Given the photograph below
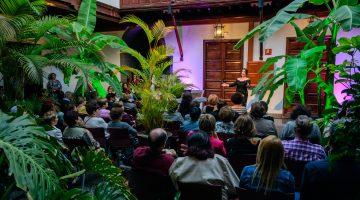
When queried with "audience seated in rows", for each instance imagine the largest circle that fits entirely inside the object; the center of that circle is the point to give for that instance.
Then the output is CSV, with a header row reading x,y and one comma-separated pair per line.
x,y
51,119
237,100
268,174
192,124
288,131
266,107
201,165
207,125
221,103
116,114
264,127
93,121
333,179
244,141
154,158
225,124
300,148
212,101
172,115
74,131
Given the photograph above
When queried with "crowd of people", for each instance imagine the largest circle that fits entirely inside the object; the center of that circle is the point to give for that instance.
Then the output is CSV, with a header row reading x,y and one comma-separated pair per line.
x,y
205,157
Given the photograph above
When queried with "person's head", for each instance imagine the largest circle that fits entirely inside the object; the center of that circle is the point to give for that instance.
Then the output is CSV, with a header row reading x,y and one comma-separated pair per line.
x,y
237,98
69,95
195,113
226,114
47,106
81,101
110,97
157,140
103,103
213,99
119,104
68,106
71,118
264,105
50,118
186,98
92,109
93,95
269,161
244,72
173,106
116,113
207,123
126,97
52,76
303,126
300,110
199,146
244,126
221,103
110,90
257,111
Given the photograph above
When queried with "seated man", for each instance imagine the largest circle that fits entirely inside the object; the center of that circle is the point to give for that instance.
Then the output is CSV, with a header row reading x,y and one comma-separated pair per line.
x,y
300,148
116,114
192,124
93,120
151,165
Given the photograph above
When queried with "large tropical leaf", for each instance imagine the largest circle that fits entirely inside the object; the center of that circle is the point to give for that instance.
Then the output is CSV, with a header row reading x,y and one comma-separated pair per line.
x,y
21,141
296,73
348,17
87,14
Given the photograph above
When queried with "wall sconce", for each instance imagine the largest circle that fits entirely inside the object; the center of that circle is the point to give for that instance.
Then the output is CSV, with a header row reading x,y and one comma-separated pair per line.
x,y
219,31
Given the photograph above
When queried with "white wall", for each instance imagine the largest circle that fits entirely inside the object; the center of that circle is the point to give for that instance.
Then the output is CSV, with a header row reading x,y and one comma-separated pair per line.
x,y
192,41
113,3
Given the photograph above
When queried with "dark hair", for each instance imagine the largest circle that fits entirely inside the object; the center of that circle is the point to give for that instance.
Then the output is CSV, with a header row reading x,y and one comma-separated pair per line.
x,y
199,146
264,105
91,108
244,126
246,70
257,111
303,126
102,102
195,113
50,75
93,95
49,117
237,98
46,107
221,104
207,123
81,100
157,142
67,107
110,95
70,117
116,113
186,100
226,114
300,110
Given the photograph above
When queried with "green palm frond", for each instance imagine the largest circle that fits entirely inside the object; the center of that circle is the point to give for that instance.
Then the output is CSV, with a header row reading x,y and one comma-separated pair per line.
x,y
18,7
142,60
7,31
23,143
135,20
159,30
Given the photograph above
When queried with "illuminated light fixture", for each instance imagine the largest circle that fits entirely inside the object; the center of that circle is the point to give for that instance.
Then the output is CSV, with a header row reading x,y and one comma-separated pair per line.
x,y
219,31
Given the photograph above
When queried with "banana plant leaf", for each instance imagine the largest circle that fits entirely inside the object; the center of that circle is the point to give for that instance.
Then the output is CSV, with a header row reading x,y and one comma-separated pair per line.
x,y
87,14
347,16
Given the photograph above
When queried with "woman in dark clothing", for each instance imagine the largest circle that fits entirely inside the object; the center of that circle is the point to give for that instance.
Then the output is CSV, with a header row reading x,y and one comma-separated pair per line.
x,y
242,84
185,104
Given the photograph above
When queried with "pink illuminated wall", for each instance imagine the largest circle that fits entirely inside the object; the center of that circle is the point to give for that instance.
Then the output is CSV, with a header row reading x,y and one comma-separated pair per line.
x,y
340,58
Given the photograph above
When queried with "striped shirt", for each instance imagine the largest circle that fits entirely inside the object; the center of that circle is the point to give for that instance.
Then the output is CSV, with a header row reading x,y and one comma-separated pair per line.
x,y
303,150
239,109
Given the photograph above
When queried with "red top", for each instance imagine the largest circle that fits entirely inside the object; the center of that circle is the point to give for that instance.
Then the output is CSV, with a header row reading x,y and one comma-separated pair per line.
x,y
145,159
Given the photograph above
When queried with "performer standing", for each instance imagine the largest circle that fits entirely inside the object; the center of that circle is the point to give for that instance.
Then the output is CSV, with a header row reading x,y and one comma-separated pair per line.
x,y
242,84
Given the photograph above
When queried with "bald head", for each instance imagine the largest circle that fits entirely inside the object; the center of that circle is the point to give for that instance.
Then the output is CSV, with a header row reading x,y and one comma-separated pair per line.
x,y
157,139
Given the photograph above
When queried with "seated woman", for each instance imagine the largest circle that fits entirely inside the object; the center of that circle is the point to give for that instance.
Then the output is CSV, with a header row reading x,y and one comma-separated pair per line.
x,y
73,130
104,112
207,124
268,174
51,119
264,127
192,124
237,99
225,125
201,165
219,105
244,141
212,101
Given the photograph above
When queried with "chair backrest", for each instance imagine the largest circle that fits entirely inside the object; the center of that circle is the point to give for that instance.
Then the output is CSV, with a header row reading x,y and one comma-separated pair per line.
x,y
151,185
195,191
245,194
296,168
119,138
99,135
71,143
239,161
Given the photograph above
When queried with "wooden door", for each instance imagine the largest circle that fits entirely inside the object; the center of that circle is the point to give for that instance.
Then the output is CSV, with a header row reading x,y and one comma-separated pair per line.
x,y
221,64
293,47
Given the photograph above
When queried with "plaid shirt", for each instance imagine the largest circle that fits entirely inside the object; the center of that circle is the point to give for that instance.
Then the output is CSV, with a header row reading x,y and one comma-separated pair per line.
x,y
300,150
